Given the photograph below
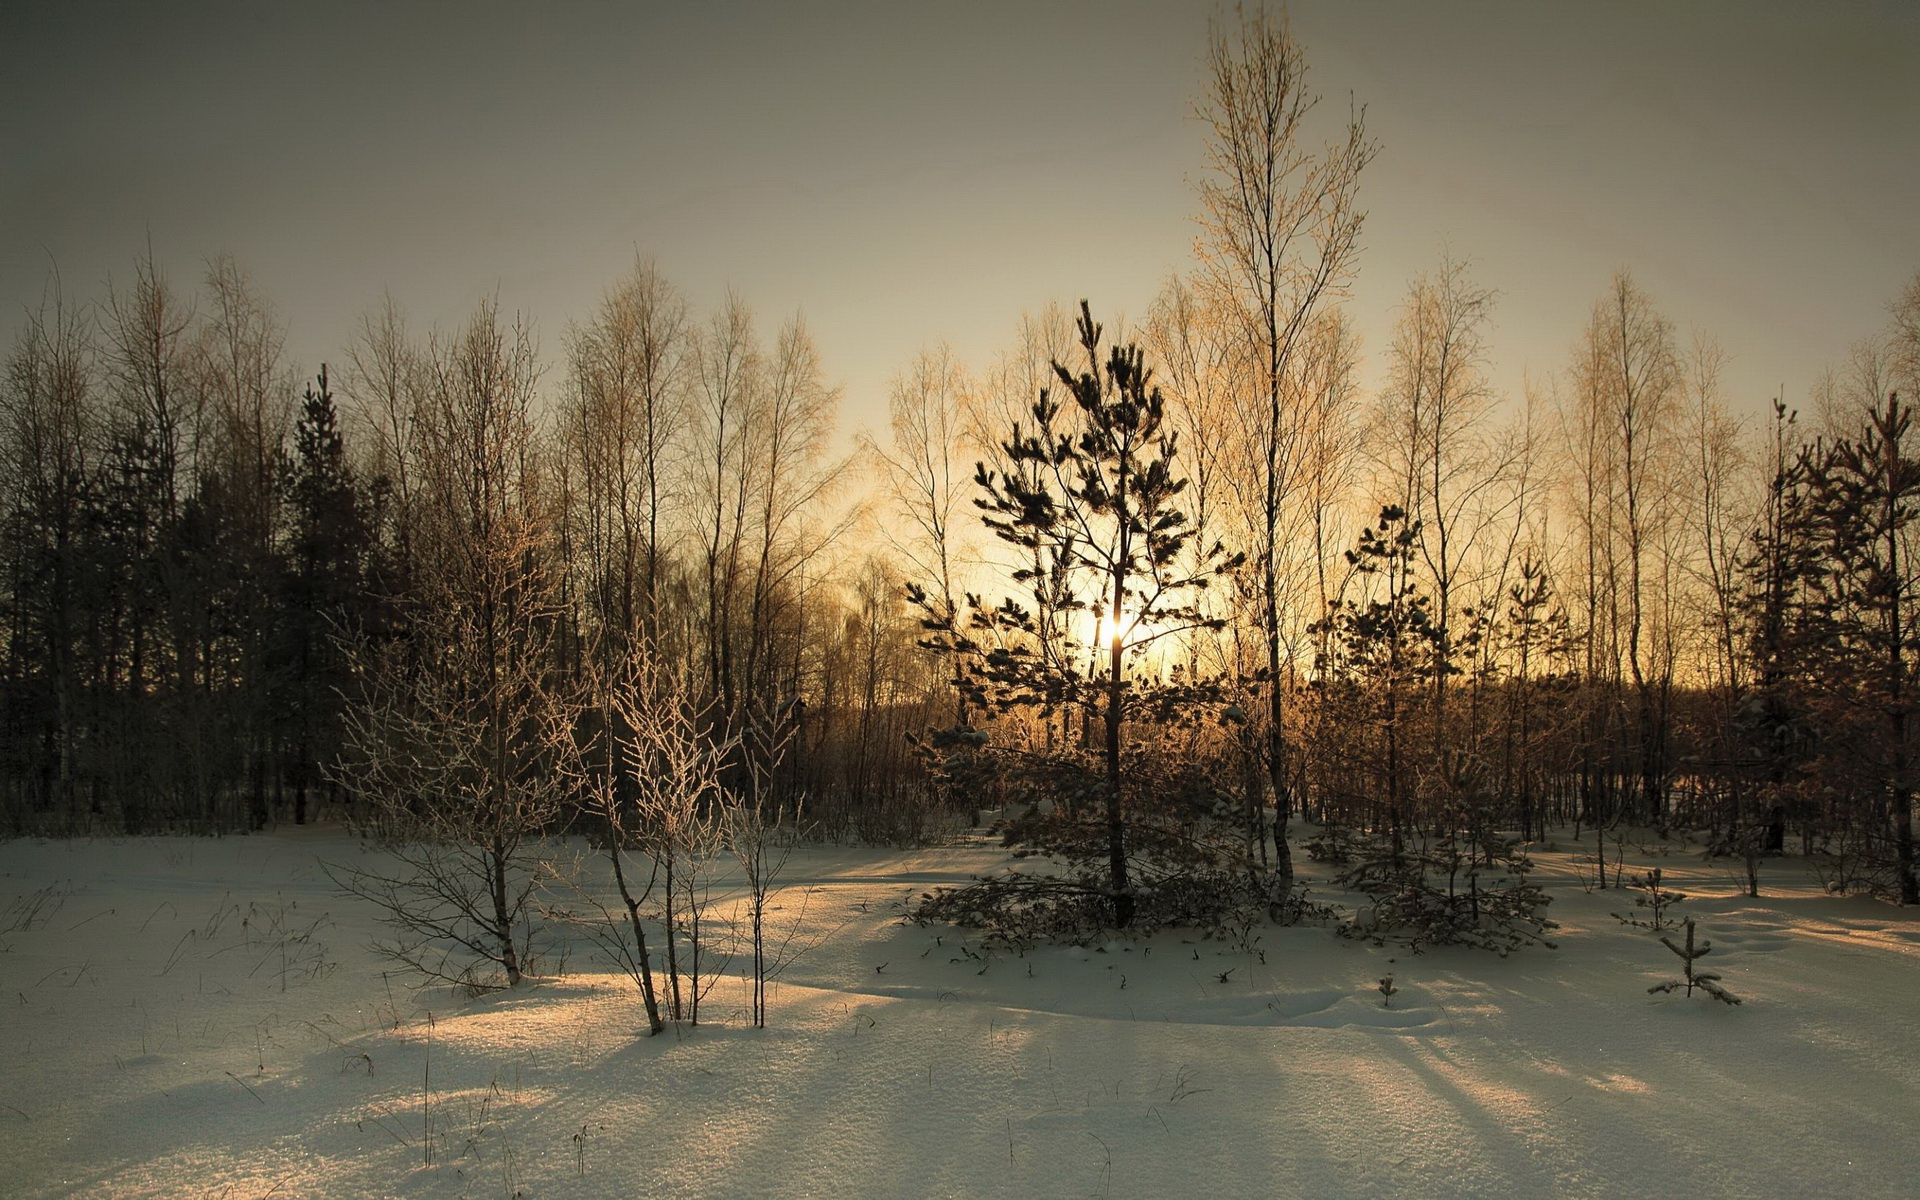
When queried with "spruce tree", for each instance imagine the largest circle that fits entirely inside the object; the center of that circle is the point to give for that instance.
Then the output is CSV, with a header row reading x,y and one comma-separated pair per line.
x,y
1866,495
322,585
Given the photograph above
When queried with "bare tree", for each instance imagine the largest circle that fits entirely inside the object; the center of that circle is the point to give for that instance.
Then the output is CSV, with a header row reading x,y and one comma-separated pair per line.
x,y
1443,466
762,427
789,475
247,390
152,637
453,758
1280,233
1003,395
621,425
148,349
49,429
387,384
1331,434
666,808
729,381
1904,334
451,745
1196,374
761,839
1723,515
249,400
1638,382
925,476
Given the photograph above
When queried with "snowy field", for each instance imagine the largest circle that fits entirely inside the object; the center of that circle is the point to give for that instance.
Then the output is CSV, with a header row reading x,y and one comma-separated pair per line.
x,y
200,1017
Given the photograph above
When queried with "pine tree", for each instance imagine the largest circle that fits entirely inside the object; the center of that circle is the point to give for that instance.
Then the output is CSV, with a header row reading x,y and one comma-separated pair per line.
x,y
1787,632
1705,981
1089,498
1866,495
1654,895
1535,635
1387,646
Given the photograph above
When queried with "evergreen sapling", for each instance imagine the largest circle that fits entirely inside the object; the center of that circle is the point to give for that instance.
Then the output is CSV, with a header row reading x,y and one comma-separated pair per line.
x,y
1709,983
1655,896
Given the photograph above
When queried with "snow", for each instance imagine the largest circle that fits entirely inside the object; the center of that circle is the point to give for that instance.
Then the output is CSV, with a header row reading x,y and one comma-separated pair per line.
x,y
204,1017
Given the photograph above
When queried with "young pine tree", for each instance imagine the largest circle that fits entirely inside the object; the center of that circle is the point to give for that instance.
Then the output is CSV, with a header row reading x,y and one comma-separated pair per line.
x,y
1705,981
1088,497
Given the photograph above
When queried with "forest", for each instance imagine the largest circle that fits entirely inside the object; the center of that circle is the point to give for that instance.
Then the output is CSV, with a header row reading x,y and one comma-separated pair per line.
x,y
758,666
1150,593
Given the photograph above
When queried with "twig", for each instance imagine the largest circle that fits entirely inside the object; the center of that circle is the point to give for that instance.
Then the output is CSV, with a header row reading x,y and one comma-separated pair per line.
x,y
105,912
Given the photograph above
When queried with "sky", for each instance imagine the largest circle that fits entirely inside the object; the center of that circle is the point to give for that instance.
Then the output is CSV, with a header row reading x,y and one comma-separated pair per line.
x,y
909,174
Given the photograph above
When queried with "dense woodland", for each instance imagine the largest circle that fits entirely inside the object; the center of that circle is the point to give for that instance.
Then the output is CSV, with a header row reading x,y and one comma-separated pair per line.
x,y
1151,592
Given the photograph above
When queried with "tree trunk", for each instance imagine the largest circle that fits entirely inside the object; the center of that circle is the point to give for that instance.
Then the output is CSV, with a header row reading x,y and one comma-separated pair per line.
x,y
502,918
1117,881
647,991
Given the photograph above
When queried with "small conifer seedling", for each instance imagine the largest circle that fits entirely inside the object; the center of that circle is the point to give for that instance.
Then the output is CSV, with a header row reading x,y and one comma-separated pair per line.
x,y
1386,992
1654,896
1706,982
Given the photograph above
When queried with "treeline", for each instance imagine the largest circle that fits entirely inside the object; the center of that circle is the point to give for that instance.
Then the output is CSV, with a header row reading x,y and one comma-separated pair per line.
x,y
1453,617
1620,605
1220,581
213,574
1610,604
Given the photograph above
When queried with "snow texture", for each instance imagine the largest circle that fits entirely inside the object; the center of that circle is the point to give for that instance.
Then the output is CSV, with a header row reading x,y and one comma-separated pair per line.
x,y
204,1017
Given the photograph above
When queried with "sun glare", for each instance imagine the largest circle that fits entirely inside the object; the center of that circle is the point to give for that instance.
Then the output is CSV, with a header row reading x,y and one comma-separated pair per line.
x,y
1117,629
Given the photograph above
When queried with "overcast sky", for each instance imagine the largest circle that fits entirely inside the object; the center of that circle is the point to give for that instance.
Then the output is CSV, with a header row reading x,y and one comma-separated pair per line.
x,y
911,173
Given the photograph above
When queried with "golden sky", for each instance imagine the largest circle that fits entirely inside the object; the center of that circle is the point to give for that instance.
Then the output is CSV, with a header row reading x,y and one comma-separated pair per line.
x,y
910,173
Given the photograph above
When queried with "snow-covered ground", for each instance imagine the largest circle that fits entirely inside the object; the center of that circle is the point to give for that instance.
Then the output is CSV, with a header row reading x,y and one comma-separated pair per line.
x,y
204,1017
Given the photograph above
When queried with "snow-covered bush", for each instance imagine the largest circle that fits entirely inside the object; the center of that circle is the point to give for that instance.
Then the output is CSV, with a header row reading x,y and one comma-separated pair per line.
x,y
649,771
451,760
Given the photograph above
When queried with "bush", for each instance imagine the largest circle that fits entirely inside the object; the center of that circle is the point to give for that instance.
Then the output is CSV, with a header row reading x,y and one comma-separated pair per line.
x,y
1189,857
1463,888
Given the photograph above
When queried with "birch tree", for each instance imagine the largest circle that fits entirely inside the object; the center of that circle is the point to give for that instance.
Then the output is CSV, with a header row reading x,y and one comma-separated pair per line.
x,y
452,745
1439,456
1280,229
925,475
